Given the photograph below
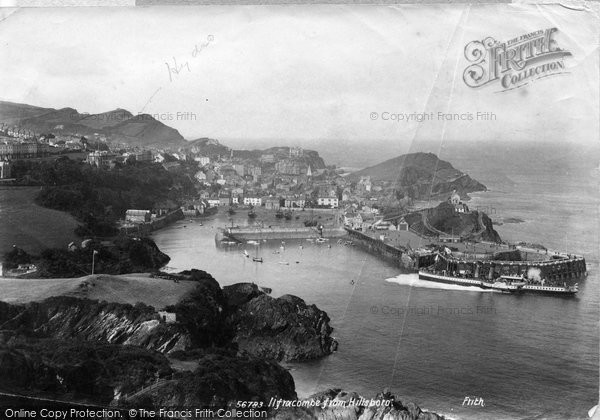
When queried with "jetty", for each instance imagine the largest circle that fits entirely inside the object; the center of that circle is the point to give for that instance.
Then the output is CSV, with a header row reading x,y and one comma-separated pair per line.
x,y
243,234
403,256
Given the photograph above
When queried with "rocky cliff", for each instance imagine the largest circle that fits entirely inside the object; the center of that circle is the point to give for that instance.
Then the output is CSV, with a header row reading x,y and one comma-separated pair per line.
x,y
80,370
285,328
93,321
236,335
221,379
421,176
82,349
240,317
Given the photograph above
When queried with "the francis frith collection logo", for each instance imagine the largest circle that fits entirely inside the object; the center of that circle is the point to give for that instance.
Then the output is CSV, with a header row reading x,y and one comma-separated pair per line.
x,y
516,62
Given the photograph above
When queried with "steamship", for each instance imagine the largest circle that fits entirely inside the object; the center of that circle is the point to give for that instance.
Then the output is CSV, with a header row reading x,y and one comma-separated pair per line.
x,y
469,273
504,284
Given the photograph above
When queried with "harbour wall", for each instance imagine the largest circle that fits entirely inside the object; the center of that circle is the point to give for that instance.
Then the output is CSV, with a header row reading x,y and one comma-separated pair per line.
x,y
401,256
246,234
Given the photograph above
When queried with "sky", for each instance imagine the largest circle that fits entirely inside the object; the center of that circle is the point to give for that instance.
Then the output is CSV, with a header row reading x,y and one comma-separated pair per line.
x,y
305,75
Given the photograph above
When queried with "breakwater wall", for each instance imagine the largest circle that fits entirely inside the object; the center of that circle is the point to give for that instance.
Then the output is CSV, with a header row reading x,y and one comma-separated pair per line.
x,y
246,234
403,257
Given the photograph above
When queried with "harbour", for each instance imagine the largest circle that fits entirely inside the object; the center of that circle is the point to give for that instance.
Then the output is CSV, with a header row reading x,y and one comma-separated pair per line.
x,y
510,268
504,353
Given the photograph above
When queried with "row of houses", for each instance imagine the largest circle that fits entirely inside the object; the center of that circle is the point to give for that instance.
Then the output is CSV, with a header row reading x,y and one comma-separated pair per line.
x,y
16,150
270,203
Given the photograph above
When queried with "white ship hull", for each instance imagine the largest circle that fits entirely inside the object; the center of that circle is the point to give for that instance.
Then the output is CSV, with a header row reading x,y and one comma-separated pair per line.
x,y
499,286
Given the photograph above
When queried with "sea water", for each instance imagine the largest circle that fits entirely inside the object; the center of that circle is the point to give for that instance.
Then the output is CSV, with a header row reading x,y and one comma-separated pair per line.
x,y
524,356
434,344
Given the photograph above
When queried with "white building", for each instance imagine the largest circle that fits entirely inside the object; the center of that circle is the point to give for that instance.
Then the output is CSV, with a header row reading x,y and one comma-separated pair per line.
x,y
253,201
168,317
214,202
332,202
137,216
5,169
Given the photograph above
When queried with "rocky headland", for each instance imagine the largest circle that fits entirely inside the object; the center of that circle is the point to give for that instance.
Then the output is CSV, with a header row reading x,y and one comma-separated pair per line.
x,y
444,219
421,176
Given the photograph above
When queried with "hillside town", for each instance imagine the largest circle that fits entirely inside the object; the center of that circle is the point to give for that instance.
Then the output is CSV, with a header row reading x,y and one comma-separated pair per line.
x,y
279,179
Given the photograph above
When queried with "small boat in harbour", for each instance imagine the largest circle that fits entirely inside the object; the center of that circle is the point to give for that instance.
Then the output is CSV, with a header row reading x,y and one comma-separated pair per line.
x,y
256,258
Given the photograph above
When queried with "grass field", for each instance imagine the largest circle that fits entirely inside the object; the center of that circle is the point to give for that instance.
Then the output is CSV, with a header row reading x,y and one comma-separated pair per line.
x,y
129,288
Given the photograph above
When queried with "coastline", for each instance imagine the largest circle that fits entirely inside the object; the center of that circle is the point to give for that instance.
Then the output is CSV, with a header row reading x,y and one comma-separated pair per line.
x,y
182,231
240,297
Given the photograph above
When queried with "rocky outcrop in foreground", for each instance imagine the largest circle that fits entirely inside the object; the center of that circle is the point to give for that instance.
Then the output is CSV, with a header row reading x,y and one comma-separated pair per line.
x,y
335,404
88,320
76,369
78,349
236,355
284,328
243,317
221,379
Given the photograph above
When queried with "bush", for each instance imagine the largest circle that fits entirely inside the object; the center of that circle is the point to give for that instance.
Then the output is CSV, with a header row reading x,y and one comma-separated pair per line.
x,y
16,256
